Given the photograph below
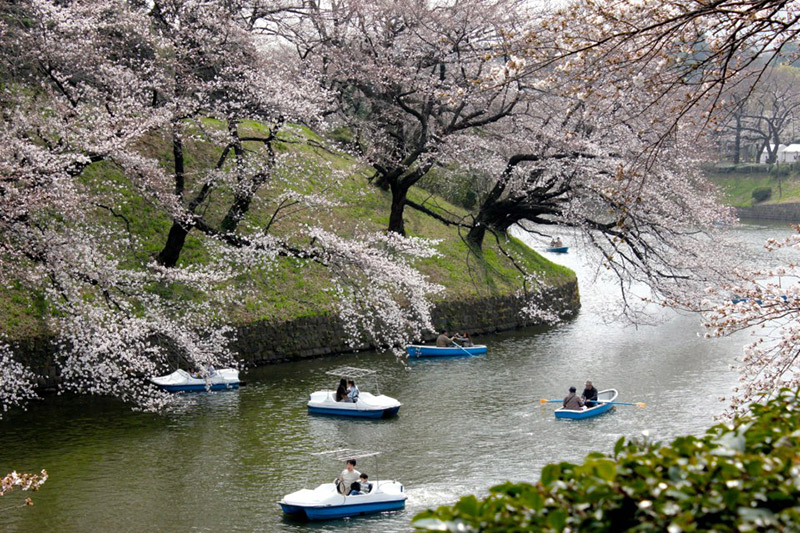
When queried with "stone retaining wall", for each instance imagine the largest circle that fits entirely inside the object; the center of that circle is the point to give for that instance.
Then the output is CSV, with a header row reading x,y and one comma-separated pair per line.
x,y
269,342
272,342
789,212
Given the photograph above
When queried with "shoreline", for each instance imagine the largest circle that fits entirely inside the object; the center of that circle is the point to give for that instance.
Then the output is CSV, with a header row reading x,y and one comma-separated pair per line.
x,y
787,212
273,342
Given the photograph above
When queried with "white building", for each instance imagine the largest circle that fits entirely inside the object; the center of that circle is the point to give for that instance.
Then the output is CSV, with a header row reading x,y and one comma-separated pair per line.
x,y
786,154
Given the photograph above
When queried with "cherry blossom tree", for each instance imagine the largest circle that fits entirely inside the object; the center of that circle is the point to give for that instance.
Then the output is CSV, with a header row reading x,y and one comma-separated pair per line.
x,y
764,303
89,88
698,47
771,108
706,51
407,76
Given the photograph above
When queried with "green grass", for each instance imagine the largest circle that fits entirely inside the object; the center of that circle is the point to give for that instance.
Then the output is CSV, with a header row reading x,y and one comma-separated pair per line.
x,y
291,289
737,187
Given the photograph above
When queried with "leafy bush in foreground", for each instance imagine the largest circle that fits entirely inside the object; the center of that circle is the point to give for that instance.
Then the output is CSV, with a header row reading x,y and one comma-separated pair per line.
x,y
739,477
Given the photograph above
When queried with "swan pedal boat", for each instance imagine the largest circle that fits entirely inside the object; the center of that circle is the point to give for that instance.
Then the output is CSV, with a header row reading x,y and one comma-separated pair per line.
x,y
420,350
603,397
368,405
181,380
326,503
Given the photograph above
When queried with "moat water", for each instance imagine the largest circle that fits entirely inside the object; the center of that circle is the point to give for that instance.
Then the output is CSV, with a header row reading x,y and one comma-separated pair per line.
x,y
223,460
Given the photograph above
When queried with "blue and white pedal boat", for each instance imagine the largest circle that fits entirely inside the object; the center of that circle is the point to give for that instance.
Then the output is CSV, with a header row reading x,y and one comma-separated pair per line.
x,y
603,405
326,503
368,405
420,350
182,381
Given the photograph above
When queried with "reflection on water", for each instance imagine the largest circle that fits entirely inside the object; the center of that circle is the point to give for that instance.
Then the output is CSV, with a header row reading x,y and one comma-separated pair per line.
x,y
224,459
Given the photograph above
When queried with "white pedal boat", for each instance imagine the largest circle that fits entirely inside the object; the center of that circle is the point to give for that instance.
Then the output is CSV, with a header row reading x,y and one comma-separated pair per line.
x,y
325,502
181,380
324,402
369,405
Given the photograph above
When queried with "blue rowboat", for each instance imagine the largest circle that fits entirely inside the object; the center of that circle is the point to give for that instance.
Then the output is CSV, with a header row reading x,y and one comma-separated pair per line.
x,y
419,350
560,250
603,405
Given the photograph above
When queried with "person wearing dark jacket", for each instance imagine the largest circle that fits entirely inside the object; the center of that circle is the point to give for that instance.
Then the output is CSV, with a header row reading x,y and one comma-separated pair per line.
x,y
573,401
589,394
341,391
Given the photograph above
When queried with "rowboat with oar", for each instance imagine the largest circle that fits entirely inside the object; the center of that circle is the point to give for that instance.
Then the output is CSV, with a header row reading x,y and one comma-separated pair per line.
x,y
420,350
604,398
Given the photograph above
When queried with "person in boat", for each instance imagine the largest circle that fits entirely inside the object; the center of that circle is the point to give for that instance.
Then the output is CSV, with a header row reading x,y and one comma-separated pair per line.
x,y
589,394
204,372
573,401
348,476
442,341
355,489
466,341
352,392
366,486
341,391
556,243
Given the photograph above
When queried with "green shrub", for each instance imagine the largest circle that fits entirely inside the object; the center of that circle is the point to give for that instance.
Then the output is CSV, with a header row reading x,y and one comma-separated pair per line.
x,y
762,194
780,170
742,477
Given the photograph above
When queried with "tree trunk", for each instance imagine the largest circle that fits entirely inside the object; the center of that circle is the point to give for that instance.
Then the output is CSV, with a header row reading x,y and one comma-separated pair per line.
x,y
737,142
168,257
476,234
240,206
396,223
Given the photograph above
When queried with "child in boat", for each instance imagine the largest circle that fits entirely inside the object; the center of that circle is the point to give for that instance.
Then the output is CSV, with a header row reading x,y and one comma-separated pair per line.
x,y
352,392
366,486
362,486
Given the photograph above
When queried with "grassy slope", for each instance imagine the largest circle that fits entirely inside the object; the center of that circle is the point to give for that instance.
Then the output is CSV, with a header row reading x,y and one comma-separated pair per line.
x,y
292,290
738,187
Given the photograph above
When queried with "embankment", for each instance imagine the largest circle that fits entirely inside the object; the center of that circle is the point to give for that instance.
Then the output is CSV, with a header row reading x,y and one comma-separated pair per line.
x,y
270,342
788,212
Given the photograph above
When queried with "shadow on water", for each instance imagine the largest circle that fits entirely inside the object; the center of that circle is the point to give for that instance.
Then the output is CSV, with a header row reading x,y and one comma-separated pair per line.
x,y
223,460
